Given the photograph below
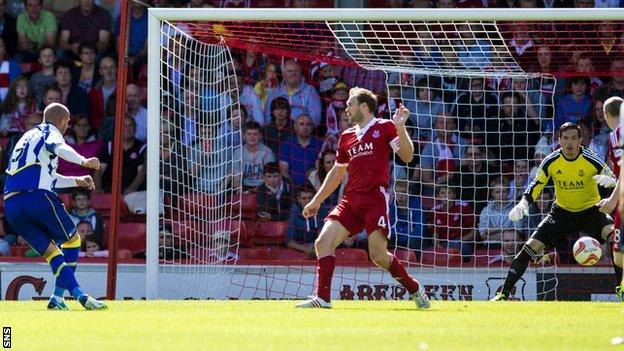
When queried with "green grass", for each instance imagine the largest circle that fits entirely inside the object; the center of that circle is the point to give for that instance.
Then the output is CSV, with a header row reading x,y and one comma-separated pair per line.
x,y
351,325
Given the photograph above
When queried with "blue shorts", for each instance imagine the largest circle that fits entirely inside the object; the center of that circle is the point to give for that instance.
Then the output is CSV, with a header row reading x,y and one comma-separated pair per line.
x,y
39,217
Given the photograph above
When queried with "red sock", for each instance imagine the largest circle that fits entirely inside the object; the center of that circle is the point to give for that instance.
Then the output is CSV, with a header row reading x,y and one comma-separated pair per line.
x,y
324,274
399,273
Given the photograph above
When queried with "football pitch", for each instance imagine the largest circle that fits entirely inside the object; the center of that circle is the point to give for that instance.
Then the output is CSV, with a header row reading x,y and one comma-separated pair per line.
x,y
351,325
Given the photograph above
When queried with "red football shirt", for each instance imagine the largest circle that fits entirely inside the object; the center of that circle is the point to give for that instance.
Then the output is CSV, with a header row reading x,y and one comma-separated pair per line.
x,y
452,224
366,154
614,151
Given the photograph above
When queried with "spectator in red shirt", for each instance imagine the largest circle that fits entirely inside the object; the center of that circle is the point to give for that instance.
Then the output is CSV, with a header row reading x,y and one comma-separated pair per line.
x,y
452,222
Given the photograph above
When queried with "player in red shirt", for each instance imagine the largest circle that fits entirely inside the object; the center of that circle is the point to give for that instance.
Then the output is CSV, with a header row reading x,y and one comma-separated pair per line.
x,y
611,109
363,151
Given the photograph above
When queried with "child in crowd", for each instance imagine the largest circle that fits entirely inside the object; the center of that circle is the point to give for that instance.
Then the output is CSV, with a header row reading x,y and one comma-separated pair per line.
x,y
303,231
18,105
267,83
43,78
451,222
274,196
91,247
494,220
83,212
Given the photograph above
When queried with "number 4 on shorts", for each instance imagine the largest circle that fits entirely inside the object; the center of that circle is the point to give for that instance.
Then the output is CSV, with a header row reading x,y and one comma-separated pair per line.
x,y
382,222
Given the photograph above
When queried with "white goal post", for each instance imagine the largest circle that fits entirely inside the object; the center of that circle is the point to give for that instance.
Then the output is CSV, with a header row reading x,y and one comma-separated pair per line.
x,y
347,20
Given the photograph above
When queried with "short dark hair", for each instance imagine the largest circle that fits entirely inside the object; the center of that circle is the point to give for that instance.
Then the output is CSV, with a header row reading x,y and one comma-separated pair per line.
x,y
53,87
63,64
422,83
547,191
165,227
500,181
87,45
271,168
578,79
26,2
249,125
80,191
280,102
474,79
570,125
448,187
93,238
45,47
87,222
305,189
130,118
509,94
241,108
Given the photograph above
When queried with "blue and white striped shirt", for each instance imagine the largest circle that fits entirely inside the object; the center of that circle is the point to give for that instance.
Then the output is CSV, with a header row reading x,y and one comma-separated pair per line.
x,y
34,161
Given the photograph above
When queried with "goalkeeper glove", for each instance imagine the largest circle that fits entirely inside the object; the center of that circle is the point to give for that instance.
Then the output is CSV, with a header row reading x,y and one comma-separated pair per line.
x,y
519,211
605,181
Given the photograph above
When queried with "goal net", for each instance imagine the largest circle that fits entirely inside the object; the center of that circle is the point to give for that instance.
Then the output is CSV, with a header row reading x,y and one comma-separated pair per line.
x,y
251,109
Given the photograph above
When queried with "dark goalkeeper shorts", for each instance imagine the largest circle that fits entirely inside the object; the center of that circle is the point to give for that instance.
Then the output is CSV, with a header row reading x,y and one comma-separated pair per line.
x,y
559,224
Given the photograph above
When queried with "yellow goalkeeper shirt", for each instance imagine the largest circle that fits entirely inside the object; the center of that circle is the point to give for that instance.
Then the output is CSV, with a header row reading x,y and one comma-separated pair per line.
x,y
575,190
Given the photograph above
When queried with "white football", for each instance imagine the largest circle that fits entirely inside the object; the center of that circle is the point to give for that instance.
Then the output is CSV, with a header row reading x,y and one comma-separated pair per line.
x,y
587,251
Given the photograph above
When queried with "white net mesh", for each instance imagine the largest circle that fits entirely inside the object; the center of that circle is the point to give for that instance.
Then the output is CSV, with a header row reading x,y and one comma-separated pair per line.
x,y
465,48
477,142
480,125
199,166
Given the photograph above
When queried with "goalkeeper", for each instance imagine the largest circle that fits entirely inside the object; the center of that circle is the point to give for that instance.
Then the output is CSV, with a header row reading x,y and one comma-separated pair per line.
x,y
575,172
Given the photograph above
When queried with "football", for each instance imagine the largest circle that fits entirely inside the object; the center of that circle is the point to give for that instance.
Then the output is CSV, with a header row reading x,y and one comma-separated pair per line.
x,y
587,251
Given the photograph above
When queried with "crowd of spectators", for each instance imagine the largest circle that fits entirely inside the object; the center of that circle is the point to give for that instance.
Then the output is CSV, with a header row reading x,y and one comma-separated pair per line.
x,y
479,140
66,51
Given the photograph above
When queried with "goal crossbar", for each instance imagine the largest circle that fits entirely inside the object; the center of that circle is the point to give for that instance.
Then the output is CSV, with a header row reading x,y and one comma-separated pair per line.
x,y
521,14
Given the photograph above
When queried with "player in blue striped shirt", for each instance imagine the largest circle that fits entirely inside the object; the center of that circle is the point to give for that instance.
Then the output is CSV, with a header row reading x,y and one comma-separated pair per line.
x,y
34,210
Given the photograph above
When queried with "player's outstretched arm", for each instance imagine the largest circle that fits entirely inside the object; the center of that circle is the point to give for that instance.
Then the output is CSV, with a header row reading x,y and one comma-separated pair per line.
x,y
406,148
70,182
331,182
68,153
